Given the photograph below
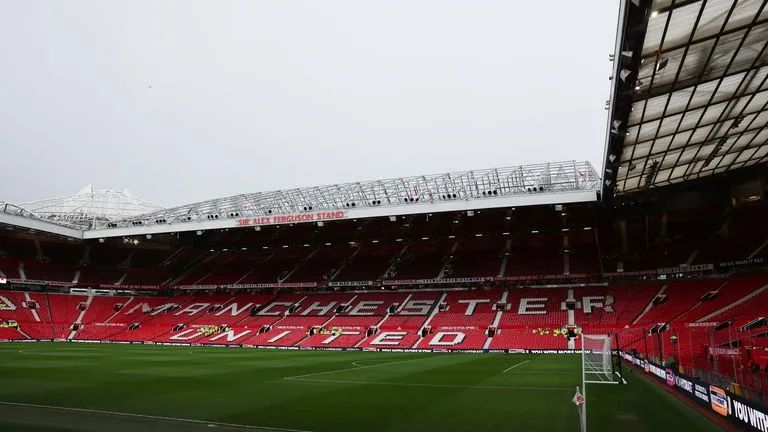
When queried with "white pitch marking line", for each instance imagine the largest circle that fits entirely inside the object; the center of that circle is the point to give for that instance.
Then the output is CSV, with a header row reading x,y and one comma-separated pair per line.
x,y
146,416
514,366
429,385
363,367
623,381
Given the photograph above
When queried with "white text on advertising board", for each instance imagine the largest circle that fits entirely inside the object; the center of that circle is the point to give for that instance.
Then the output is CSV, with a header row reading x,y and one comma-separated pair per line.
x,y
292,218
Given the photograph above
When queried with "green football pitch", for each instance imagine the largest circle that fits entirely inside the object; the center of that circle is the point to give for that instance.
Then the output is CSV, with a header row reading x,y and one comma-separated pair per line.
x,y
101,387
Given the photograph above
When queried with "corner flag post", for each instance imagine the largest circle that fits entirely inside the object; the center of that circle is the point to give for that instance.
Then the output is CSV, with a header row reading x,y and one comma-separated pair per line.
x,y
582,407
618,359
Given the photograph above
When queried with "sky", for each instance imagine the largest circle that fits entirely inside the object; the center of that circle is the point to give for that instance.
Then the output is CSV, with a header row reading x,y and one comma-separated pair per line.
x,y
182,101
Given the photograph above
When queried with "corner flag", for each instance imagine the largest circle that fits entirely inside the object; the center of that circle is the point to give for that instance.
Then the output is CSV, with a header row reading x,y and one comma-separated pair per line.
x,y
578,400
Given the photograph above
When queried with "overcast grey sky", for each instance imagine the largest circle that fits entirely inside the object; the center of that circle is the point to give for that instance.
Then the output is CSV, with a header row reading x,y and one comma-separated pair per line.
x,y
180,101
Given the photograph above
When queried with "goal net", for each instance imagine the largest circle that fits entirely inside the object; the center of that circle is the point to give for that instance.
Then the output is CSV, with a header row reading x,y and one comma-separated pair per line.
x,y
597,368
597,359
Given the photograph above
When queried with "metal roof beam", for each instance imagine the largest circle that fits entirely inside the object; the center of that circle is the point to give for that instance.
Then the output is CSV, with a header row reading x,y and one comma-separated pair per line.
x,y
740,152
743,79
676,5
679,69
684,147
678,90
703,125
707,38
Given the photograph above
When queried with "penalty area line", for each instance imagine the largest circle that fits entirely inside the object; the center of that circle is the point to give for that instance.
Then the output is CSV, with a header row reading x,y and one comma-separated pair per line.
x,y
153,417
514,366
428,385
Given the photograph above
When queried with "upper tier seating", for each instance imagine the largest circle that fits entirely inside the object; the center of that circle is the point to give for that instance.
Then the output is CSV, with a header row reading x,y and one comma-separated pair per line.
x,y
422,260
321,264
66,253
278,264
536,255
9,267
233,269
48,271
477,258
144,277
369,263
102,276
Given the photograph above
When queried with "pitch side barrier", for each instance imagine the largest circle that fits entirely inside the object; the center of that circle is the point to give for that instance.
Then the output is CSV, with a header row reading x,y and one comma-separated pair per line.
x,y
296,348
744,413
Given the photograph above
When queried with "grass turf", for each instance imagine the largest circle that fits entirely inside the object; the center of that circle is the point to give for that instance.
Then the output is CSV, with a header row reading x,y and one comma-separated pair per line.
x,y
165,388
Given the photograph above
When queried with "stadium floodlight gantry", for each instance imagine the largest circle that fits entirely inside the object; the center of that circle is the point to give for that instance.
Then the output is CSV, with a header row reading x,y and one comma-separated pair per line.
x,y
689,93
548,183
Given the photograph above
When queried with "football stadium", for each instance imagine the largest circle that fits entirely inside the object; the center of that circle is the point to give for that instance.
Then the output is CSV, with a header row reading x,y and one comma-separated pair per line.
x,y
557,296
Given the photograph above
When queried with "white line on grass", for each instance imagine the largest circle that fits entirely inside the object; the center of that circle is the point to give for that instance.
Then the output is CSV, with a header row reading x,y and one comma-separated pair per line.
x,y
622,378
514,366
362,367
430,385
153,417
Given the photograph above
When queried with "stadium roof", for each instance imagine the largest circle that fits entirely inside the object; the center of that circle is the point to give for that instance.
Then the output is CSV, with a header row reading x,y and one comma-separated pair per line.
x,y
549,183
689,92
90,208
16,216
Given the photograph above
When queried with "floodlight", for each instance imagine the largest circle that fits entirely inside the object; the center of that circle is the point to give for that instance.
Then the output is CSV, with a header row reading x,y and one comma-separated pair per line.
x,y
624,73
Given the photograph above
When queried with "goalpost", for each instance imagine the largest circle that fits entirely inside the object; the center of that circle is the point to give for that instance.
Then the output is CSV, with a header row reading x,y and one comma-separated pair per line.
x,y
597,367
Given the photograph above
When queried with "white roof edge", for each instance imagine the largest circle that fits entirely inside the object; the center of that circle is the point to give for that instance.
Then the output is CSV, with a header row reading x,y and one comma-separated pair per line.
x,y
37,224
